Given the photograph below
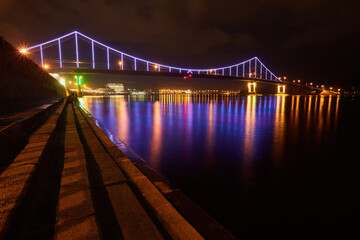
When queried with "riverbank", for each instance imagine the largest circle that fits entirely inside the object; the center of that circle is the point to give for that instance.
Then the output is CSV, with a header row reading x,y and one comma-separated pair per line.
x,y
70,181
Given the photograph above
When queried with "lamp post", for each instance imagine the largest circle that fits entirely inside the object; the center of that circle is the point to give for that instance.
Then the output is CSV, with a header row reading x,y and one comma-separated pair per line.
x,y
79,83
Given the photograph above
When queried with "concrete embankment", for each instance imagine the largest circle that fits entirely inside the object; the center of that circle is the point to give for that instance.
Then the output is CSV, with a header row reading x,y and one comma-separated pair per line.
x,y
71,182
22,81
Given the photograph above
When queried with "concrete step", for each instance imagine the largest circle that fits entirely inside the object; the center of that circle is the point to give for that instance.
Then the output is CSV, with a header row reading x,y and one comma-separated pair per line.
x,y
15,130
161,210
120,213
16,179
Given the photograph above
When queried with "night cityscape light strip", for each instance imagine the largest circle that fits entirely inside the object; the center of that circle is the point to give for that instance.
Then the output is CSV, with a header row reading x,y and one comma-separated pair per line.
x,y
76,33
107,58
122,61
60,57
255,67
77,50
250,68
41,56
93,54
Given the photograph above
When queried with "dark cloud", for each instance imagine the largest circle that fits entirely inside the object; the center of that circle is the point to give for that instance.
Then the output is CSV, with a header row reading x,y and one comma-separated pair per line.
x,y
285,34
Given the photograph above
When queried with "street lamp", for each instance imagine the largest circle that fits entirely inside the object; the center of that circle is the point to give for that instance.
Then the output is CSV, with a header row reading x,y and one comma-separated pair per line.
x,y
120,63
23,51
46,66
79,83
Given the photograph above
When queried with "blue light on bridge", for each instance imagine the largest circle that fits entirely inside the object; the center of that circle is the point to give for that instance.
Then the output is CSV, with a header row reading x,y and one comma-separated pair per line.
x,y
138,61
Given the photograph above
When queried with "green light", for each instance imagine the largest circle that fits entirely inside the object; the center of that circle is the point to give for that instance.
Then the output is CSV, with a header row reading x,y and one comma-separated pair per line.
x,y
79,80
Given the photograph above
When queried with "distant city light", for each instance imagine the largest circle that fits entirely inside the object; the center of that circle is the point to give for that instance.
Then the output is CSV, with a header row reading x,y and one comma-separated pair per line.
x,y
62,82
46,66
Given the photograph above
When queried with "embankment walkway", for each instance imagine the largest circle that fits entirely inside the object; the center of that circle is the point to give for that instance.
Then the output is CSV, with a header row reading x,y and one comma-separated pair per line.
x,y
61,177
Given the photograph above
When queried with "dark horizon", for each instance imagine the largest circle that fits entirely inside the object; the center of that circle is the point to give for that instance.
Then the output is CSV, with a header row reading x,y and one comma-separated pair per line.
x,y
315,41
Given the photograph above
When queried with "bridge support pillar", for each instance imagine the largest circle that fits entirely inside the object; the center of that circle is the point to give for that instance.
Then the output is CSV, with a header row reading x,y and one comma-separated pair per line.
x,y
281,89
252,87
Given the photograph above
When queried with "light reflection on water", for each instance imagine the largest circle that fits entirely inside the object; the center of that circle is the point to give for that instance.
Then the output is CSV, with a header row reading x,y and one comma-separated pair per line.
x,y
226,150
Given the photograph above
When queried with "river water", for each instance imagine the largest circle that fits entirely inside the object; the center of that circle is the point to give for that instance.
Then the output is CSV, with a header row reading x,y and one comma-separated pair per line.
x,y
263,166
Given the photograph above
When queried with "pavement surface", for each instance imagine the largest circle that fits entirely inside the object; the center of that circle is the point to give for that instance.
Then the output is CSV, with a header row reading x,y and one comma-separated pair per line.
x,y
70,181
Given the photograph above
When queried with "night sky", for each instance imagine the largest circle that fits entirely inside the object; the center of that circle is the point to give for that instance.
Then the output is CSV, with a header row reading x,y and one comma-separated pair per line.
x,y
312,40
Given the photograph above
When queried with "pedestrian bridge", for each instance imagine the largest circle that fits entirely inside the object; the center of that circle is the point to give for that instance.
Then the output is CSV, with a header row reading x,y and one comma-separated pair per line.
x,y
75,52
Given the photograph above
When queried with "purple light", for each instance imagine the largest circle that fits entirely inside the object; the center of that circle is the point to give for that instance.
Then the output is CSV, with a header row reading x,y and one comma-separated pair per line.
x,y
41,56
122,61
147,66
77,49
76,33
93,54
237,71
135,64
107,58
255,66
60,57
250,67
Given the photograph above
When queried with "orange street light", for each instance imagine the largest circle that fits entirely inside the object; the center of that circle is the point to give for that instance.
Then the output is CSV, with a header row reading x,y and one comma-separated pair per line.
x,y
23,51
46,66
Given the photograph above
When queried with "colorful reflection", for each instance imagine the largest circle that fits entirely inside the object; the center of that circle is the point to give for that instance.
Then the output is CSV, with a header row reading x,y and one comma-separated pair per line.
x,y
207,126
236,148
156,140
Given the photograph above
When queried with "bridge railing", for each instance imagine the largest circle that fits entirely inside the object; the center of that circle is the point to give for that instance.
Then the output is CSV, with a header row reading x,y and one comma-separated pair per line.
x,y
76,50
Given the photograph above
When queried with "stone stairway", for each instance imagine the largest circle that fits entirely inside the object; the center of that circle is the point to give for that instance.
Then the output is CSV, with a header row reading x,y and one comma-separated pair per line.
x,y
68,180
